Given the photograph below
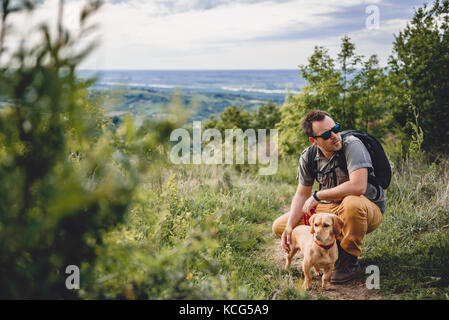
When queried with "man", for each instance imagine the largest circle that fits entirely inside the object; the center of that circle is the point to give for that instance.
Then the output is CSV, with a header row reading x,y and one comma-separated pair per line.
x,y
346,194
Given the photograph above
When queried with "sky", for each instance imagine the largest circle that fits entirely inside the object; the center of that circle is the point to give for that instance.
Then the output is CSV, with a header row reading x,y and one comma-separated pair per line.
x,y
228,34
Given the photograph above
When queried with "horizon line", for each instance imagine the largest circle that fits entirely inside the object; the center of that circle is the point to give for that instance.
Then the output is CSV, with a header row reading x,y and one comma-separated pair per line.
x,y
273,69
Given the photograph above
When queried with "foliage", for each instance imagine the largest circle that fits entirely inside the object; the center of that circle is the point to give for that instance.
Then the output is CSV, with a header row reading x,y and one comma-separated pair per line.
x,y
411,246
354,97
419,65
264,117
348,61
371,93
197,237
66,177
417,139
231,118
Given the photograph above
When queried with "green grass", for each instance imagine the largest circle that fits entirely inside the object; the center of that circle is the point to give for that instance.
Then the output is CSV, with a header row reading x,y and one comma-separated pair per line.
x,y
199,231
411,246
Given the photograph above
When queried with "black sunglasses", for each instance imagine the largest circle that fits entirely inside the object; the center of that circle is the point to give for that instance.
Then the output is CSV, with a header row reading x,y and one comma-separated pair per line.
x,y
326,135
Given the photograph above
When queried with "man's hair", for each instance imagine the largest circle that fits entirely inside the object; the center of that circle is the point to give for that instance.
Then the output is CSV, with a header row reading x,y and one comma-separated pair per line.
x,y
312,116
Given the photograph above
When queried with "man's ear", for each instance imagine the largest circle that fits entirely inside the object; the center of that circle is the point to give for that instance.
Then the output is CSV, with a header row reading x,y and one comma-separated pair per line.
x,y
312,141
311,222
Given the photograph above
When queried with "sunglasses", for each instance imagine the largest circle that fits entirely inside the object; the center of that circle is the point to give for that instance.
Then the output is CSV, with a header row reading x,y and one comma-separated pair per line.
x,y
326,135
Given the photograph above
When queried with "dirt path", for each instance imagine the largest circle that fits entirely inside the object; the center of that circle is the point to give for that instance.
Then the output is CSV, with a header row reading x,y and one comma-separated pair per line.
x,y
354,290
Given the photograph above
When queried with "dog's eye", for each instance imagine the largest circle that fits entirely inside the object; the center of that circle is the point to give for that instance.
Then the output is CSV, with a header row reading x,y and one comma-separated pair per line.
x,y
326,225
316,224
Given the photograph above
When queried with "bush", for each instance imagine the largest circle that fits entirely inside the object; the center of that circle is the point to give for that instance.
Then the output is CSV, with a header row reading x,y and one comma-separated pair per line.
x,y
66,178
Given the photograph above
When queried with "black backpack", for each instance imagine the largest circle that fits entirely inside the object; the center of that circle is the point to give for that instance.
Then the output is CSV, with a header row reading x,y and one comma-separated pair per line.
x,y
381,165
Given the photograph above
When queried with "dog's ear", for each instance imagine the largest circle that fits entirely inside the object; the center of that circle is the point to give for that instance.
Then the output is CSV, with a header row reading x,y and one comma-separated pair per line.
x,y
311,222
337,224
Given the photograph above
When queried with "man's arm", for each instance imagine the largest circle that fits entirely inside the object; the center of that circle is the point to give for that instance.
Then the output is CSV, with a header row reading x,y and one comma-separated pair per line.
x,y
356,186
358,162
296,214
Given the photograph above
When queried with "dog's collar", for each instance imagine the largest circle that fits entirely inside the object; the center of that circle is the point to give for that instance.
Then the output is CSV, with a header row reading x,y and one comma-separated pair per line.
x,y
323,246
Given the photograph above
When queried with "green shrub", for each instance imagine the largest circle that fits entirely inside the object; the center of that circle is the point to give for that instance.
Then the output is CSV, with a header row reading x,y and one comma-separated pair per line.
x,y
66,178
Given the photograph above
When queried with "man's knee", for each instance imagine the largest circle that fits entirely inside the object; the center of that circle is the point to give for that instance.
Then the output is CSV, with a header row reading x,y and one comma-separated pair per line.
x,y
279,225
277,229
353,206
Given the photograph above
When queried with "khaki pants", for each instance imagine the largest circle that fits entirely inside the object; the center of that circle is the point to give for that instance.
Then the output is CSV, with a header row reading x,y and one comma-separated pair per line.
x,y
360,215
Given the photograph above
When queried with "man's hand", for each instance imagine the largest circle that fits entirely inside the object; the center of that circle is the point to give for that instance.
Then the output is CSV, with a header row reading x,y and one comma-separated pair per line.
x,y
285,239
310,204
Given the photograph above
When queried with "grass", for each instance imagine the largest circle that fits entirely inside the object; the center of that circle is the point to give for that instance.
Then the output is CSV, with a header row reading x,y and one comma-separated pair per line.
x,y
199,231
411,247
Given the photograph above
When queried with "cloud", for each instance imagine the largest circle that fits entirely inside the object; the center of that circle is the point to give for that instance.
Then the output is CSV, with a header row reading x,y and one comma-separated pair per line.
x,y
226,25
167,7
220,34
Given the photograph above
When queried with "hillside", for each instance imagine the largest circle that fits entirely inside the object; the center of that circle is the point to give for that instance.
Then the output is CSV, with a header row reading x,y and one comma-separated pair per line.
x,y
154,103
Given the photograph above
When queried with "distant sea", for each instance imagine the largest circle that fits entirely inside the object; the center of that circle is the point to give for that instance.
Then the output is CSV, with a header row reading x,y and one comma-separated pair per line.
x,y
263,84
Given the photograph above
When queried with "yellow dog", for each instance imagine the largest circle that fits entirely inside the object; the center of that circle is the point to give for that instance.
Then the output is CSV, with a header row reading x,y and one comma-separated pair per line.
x,y
317,244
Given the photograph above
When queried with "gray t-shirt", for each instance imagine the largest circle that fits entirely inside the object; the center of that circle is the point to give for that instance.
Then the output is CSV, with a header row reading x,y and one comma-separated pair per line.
x,y
356,157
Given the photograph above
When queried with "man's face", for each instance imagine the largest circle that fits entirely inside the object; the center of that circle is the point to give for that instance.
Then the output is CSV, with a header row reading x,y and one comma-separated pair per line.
x,y
330,145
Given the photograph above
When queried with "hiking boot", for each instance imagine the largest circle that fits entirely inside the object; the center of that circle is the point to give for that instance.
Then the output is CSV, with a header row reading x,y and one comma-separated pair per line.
x,y
345,267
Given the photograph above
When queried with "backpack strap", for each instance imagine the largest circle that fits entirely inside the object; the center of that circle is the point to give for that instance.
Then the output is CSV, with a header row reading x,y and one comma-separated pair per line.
x,y
313,166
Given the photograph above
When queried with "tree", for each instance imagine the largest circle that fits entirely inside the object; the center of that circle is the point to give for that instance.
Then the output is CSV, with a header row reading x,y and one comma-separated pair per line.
x,y
266,116
348,61
231,118
372,95
323,82
419,65
322,91
358,99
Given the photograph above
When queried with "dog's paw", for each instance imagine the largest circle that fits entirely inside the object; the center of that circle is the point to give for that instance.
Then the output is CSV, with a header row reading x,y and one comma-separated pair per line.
x,y
317,273
307,286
